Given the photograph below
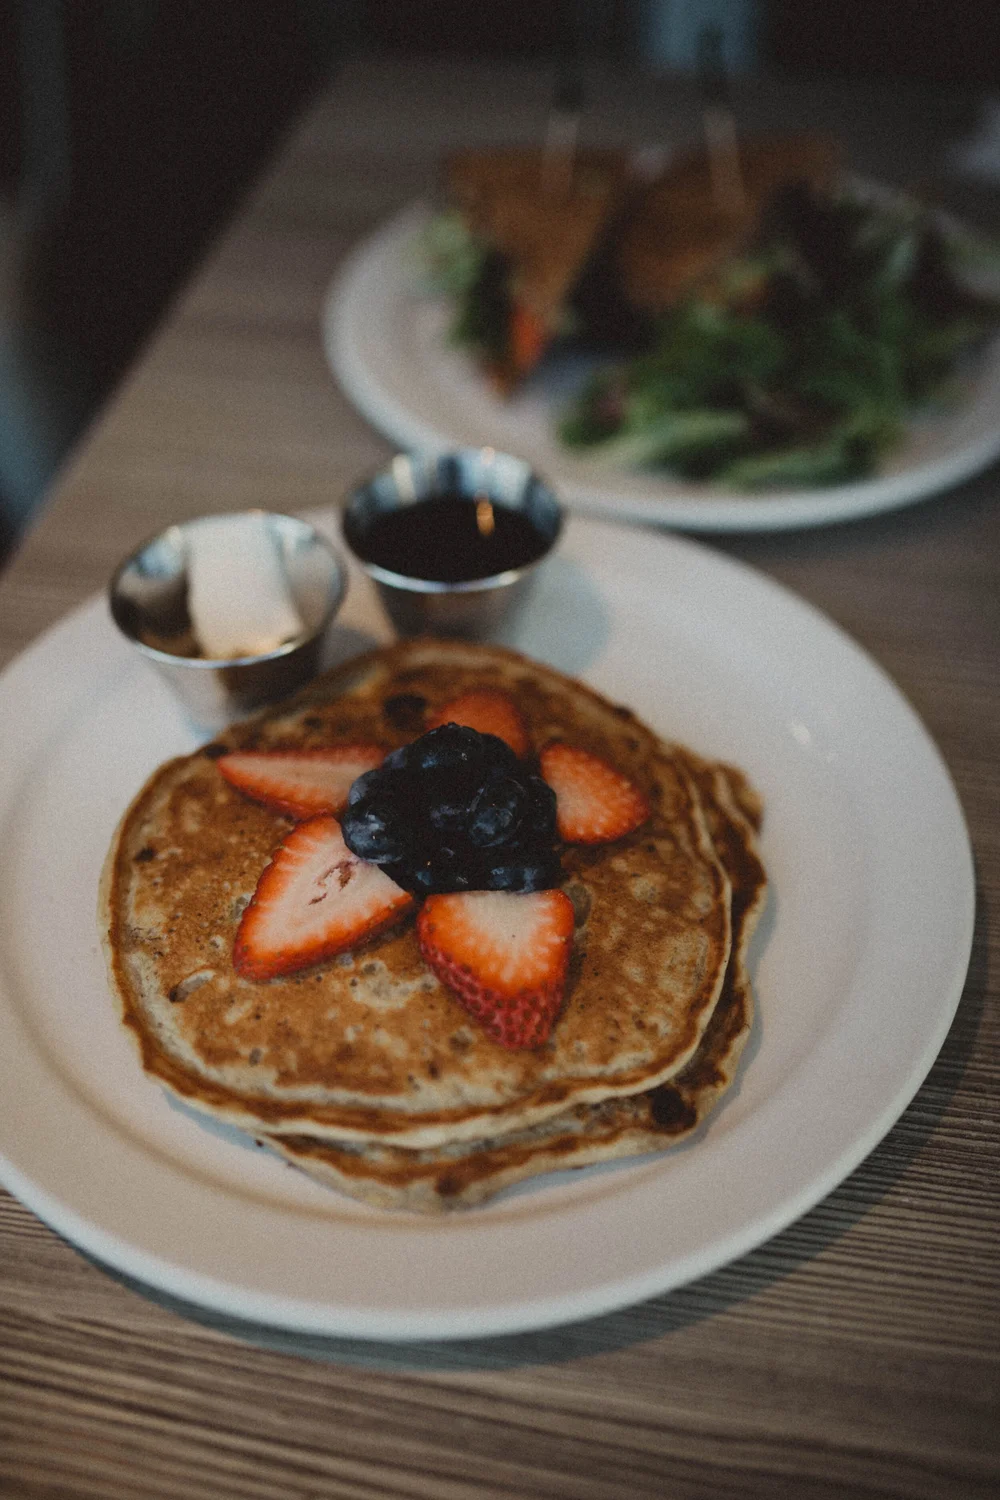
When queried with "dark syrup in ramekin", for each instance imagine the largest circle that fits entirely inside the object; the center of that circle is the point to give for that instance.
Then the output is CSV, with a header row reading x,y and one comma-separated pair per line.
x,y
447,539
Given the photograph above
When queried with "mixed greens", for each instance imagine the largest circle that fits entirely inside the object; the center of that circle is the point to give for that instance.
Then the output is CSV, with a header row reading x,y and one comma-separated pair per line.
x,y
797,364
801,361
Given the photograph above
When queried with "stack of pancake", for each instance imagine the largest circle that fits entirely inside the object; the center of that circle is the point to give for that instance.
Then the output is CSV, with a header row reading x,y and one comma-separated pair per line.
x,y
365,1071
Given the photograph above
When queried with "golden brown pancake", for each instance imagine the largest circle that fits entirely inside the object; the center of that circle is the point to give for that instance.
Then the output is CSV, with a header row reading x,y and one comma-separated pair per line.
x,y
370,1046
467,1173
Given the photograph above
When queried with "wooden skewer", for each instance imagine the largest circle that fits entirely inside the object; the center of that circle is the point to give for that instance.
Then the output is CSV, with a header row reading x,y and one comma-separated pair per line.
x,y
720,127
561,137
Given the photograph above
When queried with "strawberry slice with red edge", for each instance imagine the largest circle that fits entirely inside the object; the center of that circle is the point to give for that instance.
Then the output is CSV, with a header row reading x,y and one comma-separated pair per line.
x,y
491,711
529,338
313,900
300,783
505,956
594,802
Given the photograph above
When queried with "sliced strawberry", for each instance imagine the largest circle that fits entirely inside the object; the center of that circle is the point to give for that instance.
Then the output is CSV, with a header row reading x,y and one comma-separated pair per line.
x,y
300,783
491,712
505,956
313,900
594,802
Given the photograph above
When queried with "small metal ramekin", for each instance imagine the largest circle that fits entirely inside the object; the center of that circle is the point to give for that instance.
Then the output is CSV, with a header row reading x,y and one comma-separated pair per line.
x,y
476,609
148,597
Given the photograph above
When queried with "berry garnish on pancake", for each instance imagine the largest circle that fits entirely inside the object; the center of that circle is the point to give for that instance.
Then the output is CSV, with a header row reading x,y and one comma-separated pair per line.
x,y
455,810
491,712
505,956
315,899
595,804
300,783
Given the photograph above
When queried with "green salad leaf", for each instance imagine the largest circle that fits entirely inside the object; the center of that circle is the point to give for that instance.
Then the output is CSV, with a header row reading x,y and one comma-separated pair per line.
x,y
802,362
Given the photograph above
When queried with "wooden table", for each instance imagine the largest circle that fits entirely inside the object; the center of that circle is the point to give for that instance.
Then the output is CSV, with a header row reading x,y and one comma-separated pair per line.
x,y
858,1352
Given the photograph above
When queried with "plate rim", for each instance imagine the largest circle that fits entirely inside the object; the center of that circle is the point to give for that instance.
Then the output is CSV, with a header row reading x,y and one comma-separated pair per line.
x,y
383,250
305,1316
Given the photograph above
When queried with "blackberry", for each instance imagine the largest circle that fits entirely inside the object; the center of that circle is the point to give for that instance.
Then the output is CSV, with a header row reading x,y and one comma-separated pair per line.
x,y
521,873
455,810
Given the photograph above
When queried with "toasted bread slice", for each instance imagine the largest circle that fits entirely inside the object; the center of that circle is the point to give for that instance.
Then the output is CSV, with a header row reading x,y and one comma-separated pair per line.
x,y
544,216
678,232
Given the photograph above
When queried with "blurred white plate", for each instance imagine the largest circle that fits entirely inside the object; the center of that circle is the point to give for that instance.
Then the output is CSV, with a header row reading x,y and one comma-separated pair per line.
x,y
386,343
859,966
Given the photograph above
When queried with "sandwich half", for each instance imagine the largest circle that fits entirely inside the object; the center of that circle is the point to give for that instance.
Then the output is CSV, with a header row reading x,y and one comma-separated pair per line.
x,y
534,219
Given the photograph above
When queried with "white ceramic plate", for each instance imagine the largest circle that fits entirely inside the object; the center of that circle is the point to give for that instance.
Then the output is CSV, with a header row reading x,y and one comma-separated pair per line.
x,y
859,965
387,345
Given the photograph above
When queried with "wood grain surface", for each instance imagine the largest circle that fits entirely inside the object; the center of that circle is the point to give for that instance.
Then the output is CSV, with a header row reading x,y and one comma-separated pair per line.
x,y
857,1353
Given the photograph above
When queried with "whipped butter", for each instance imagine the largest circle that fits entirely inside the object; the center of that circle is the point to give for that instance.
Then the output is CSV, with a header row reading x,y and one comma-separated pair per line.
x,y
239,601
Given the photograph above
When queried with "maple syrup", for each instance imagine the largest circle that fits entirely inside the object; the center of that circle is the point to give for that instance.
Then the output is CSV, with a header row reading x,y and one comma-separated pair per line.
x,y
452,539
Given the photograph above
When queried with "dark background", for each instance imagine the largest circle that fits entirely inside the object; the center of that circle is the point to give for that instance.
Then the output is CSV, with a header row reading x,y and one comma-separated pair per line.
x,y
130,128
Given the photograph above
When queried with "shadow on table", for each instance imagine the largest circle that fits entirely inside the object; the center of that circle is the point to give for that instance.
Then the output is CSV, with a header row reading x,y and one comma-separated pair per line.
x,y
660,1316
938,518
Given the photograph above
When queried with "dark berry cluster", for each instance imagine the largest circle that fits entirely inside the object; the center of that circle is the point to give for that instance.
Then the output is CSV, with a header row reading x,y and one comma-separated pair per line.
x,y
455,811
